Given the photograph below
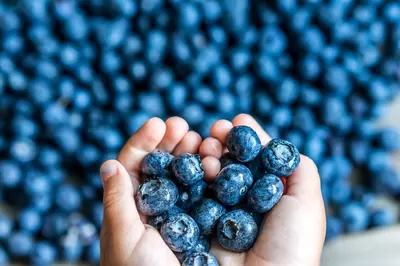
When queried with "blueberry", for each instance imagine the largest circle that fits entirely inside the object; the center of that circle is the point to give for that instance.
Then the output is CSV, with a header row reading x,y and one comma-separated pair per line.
x,y
201,258
206,214
355,217
340,192
188,169
243,143
93,252
180,232
258,217
237,231
157,221
156,195
68,198
203,245
232,184
20,244
190,195
43,254
384,217
6,226
265,193
157,164
227,159
71,248
3,257
193,113
282,116
334,227
256,168
280,157
389,139
30,220
23,150
10,174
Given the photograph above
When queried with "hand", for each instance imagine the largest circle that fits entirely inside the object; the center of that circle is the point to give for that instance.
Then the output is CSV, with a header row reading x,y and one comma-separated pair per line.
x,y
125,239
292,233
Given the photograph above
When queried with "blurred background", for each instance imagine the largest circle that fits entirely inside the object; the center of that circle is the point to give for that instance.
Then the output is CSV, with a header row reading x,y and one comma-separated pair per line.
x,y
78,77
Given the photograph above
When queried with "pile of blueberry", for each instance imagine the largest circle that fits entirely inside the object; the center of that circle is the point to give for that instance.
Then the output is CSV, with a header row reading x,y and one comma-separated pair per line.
x,y
188,212
78,77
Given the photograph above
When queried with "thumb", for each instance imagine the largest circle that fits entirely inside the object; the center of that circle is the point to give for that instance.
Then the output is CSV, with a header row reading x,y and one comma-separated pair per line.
x,y
121,222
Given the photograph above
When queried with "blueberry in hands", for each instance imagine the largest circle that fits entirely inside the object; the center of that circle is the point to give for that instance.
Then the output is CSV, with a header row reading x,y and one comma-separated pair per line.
x,y
157,164
203,245
243,143
190,195
206,214
227,159
280,157
232,184
265,193
180,232
157,221
237,231
200,259
188,169
156,195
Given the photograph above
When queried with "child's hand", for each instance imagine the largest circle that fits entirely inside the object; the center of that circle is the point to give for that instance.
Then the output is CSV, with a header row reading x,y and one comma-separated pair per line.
x,y
292,234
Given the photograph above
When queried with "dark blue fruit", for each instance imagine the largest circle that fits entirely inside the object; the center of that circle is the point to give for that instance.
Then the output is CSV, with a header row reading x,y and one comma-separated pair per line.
x,y
280,157
157,164
157,221
237,231
180,232
243,143
232,184
156,195
188,169
203,245
190,195
265,193
200,258
206,214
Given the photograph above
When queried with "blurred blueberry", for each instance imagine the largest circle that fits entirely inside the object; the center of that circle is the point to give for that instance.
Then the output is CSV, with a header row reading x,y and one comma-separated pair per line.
x,y
156,45
36,183
161,79
379,160
296,137
315,148
23,150
355,217
54,225
67,139
282,116
340,191
267,68
41,203
43,254
4,260
6,226
68,198
359,151
17,81
391,11
312,39
334,227
300,19
310,67
13,43
71,248
10,174
110,62
151,103
212,10
93,252
388,139
338,80
217,35
54,114
189,16
135,121
30,220
310,95
287,92
272,40
304,119
49,157
20,244
222,78
240,59
226,103
263,104
206,96
384,217
193,113
123,103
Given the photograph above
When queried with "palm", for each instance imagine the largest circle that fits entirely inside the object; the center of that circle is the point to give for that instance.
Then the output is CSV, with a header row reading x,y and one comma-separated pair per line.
x,y
127,240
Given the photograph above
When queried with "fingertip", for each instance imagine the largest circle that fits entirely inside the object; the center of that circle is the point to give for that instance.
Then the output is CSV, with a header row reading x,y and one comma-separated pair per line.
x,y
211,147
190,143
176,129
211,166
220,130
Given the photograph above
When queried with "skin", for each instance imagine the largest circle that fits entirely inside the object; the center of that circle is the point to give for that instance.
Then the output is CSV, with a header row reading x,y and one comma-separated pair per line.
x,y
292,233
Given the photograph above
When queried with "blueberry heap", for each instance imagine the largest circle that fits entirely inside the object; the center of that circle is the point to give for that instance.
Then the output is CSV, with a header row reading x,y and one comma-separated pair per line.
x,y
79,77
188,212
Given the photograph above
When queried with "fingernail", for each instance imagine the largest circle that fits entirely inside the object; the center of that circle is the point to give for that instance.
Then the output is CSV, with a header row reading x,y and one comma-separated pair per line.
x,y
108,171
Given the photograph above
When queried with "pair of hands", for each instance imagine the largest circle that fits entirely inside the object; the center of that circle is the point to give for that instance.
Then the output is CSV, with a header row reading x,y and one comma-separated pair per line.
x,y
292,233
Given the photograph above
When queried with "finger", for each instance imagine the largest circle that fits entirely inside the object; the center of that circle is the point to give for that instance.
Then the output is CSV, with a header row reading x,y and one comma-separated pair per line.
x,y
211,147
145,140
176,130
220,130
189,144
120,213
248,120
211,166
304,183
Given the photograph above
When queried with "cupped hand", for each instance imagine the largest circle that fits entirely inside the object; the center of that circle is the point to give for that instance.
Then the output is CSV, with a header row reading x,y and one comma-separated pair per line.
x,y
292,232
